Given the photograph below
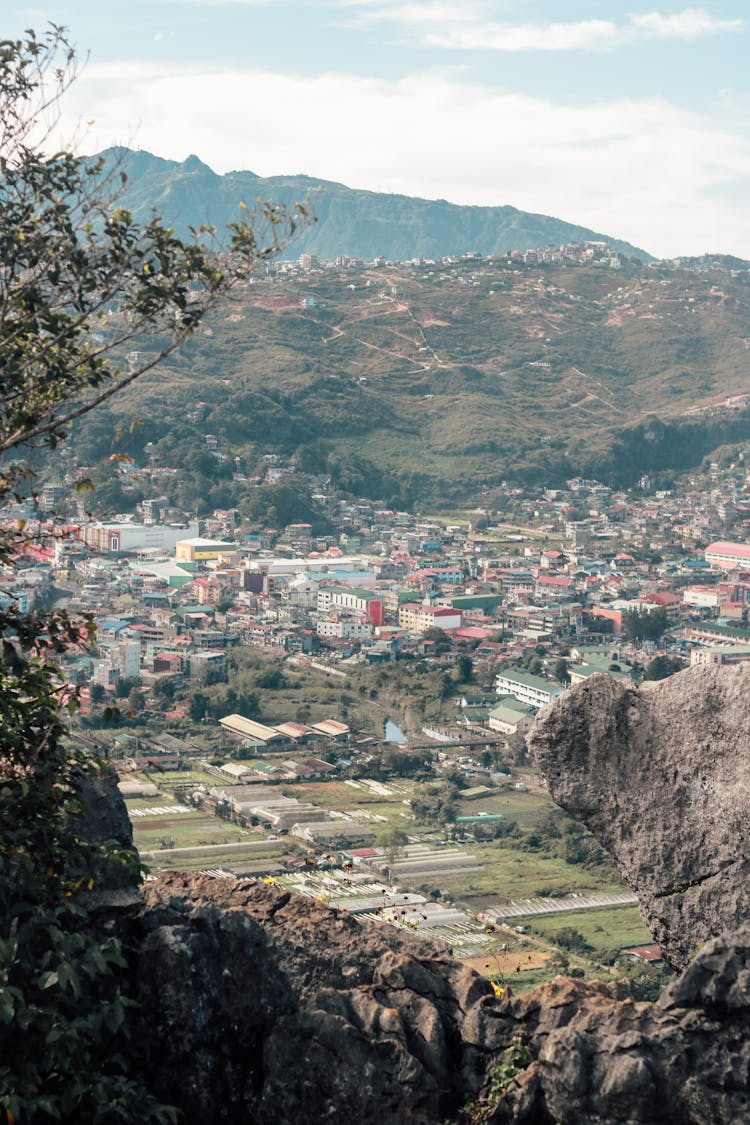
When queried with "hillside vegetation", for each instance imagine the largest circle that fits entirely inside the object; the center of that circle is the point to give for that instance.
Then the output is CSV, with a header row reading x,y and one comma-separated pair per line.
x,y
438,382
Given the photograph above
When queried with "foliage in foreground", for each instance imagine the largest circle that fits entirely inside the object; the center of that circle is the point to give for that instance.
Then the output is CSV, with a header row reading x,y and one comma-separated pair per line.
x,y
66,1051
79,280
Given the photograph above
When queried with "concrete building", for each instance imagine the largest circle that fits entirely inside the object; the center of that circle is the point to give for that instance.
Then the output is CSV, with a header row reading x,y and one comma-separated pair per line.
x,y
728,556
336,834
250,733
196,549
206,663
511,716
418,618
363,603
118,538
345,628
527,688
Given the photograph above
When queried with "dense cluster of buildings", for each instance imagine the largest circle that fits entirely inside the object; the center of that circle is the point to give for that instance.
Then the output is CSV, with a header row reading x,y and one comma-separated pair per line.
x,y
563,578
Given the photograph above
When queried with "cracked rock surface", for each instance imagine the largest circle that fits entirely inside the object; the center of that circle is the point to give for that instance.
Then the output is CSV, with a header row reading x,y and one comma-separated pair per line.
x,y
271,1008
684,1060
661,775
262,1007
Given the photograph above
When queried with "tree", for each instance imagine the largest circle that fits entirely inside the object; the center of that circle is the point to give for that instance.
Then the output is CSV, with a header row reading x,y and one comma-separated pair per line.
x,y
440,637
199,706
560,671
125,684
135,700
465,669
79,281
641,625
393,842
572,940
434,804
661,667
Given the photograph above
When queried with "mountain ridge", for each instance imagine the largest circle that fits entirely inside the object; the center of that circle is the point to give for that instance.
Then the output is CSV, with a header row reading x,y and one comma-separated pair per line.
x,y
355,222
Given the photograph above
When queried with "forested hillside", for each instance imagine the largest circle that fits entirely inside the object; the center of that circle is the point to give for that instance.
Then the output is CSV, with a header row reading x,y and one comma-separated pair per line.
x,y
415,383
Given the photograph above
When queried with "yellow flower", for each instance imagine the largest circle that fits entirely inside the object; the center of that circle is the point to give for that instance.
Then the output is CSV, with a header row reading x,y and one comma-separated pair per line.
x,y
497,988
270,880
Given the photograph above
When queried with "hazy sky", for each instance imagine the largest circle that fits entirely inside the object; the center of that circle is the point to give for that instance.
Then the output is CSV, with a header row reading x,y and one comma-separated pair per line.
x,y
631,119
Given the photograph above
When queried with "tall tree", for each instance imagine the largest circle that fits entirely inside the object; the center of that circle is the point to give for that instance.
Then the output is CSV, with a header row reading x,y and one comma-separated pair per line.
x,y
79,279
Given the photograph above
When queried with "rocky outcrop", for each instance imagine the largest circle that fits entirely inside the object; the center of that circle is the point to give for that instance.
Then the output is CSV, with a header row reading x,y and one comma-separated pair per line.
x,y
262,1007
661,776
599,1060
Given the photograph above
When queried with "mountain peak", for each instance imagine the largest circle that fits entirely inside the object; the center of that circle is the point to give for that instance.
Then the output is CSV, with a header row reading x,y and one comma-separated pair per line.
x,y
194,163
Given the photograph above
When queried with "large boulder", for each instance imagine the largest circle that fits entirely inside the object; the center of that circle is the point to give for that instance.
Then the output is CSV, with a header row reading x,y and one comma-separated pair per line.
x,y
661,776
604,1061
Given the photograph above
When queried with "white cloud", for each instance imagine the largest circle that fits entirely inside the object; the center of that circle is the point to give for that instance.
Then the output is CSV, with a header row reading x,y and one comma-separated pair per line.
x,y
468,26
582,35
431,11
644,170
688,24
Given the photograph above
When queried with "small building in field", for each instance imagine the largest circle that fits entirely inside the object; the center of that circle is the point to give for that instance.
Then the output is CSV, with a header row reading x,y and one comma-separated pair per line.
x,y
249,733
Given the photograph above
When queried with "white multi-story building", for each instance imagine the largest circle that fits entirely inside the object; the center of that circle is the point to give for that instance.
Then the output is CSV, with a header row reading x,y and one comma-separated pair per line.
x,y
418,618
124,656
362,603
527,688
347,628
705,597
122,537
728,556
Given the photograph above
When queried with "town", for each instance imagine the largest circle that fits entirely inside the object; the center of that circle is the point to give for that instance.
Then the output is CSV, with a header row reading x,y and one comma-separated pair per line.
x,y
345,713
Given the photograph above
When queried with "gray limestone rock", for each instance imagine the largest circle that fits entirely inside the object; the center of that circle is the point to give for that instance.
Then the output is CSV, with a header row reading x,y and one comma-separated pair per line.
x,y
661,776
266,1007
684,1060
263,1007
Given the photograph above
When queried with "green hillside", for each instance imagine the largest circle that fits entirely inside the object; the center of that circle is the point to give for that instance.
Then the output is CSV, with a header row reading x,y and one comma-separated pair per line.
x,y
412,383
360,224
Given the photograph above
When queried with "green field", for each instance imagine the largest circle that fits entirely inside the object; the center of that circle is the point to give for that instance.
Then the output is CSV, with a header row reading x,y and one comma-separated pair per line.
x,y
163,800
510,873
604,928
443,432
512,803
188,830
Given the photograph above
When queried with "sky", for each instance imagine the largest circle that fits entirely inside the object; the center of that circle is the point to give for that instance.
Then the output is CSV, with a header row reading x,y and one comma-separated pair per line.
x,y
630,119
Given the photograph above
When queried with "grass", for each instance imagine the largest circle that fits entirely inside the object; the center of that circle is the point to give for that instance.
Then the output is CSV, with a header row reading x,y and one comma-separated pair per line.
x,y
161,800
603,928
514,805
509,873
187,829
339,796
612,365
200,777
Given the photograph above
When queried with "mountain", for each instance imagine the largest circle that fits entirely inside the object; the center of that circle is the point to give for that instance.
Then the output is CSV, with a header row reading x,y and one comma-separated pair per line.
x,y
436,383
359,224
